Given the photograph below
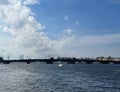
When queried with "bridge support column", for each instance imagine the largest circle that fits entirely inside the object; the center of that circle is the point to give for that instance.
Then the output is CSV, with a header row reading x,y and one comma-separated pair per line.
x,y
71,62
116,62
105,62
6,62
28,62
89,62
49,62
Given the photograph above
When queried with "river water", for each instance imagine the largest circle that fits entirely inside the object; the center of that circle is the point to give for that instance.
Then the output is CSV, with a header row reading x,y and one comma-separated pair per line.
x,y
41,77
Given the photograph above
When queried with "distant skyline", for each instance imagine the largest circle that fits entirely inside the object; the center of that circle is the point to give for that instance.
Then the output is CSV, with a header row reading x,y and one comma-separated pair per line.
x,y
39,28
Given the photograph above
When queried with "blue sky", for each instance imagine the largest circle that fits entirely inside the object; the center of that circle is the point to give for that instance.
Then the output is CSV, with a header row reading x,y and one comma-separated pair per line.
x,y
94,16
60,27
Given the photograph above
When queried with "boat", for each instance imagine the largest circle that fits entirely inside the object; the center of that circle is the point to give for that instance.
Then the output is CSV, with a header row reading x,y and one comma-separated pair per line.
x,y
60,65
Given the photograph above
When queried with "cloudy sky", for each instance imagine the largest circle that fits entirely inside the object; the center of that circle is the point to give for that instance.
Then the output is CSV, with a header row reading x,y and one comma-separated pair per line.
x,y
59,27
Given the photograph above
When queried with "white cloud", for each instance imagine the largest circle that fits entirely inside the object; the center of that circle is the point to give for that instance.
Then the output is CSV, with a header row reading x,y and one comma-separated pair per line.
x,y
93,45
96,39
77,23
67,31
66,17
27,2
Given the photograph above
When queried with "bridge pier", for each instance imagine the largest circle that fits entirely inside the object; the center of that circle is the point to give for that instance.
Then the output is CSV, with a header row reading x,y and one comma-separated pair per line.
x,y
49,62
6,62
89,62
116,62
105,62
28,62
71,62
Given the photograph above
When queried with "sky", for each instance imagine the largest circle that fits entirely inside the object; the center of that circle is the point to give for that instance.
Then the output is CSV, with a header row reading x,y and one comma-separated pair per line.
x,y
42,28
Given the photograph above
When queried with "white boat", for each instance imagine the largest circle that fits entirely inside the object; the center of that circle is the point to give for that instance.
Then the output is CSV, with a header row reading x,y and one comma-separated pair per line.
x,y
60,65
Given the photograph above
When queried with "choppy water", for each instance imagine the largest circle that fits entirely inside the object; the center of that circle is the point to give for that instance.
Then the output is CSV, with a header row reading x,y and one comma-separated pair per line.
x,y
40,77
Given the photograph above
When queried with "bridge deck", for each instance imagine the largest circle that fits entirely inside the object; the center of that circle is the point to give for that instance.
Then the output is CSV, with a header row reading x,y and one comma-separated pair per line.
x,y
69,61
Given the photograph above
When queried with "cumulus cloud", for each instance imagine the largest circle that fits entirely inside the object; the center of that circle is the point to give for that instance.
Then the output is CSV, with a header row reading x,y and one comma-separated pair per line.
x,y
18,20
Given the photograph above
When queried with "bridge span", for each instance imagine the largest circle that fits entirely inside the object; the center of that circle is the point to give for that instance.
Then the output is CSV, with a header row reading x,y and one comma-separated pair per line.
x,y
68,61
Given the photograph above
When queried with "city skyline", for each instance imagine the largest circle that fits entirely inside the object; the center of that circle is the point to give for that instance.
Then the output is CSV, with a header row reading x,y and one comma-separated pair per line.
x,y
66,27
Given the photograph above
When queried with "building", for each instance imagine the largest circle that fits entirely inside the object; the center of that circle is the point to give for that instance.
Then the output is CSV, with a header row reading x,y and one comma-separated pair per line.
x,y
109,58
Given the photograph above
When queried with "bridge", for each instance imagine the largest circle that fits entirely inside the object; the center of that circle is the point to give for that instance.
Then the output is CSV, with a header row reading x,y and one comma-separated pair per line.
x,y
64,60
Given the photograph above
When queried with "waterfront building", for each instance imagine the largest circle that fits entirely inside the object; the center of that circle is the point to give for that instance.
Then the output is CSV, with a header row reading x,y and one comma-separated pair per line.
x,y
109,58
